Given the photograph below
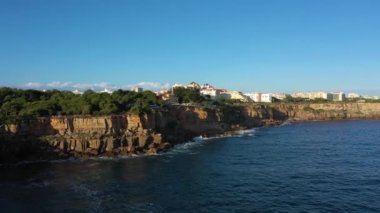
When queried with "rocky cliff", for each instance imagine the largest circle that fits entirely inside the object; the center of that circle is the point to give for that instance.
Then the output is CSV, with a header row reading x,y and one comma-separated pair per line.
x,y
329,111
83,136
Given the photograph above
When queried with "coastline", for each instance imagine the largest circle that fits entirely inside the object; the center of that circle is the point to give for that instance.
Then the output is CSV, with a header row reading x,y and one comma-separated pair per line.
x,y
84,137
198,139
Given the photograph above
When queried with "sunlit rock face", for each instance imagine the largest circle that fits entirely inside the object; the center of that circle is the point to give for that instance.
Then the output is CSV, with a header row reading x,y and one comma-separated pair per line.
x,y
330,111
129,134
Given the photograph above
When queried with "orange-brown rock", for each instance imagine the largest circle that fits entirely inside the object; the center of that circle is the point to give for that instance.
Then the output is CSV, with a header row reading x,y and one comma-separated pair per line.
x,y
128,134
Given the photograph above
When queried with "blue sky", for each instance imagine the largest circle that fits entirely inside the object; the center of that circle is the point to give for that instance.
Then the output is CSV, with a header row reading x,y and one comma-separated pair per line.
x,y
248,45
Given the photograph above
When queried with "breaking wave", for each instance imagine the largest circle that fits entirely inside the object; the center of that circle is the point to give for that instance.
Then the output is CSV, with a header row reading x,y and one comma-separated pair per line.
x,y
190,147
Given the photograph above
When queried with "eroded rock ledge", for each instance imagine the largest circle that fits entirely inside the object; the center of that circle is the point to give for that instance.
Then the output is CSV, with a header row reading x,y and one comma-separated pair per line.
x,y
86,136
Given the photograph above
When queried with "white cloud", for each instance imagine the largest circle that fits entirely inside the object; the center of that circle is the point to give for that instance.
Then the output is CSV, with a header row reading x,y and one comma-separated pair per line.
x,y
58,84
33,85
154,86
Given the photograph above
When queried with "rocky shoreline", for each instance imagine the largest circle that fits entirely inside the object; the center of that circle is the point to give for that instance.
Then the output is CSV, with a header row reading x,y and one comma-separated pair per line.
x,y
61,137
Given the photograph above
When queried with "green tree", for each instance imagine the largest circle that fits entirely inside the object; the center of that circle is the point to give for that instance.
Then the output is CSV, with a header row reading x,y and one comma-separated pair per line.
x,y
19,104
188,95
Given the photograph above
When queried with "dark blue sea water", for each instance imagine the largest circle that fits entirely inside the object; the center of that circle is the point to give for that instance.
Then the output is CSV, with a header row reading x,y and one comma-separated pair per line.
x,y
302,167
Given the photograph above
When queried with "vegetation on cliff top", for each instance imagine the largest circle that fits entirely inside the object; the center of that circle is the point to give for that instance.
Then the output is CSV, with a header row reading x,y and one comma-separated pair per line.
x,y
188,95
16,104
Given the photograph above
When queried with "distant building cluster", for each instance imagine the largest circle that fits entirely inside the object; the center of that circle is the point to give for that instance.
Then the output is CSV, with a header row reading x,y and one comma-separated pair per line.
x,y
209,91
214,93
331,96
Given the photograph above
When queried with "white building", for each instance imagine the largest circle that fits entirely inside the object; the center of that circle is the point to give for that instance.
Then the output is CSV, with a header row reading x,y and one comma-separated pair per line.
x,y
77,92
353,95
213,93
256,96
370,97
312,95
259,97
137,89
266,97
105,90
333,96
338,96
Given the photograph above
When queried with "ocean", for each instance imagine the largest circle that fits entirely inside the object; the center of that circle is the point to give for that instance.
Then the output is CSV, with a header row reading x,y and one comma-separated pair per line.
x,y
298,167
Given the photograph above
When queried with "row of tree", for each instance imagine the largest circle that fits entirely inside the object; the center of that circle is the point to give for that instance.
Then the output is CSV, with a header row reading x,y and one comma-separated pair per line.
x,y
16,104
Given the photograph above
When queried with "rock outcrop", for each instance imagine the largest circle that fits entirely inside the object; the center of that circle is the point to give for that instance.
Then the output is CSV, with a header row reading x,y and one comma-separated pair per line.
x,y
85,136
329,111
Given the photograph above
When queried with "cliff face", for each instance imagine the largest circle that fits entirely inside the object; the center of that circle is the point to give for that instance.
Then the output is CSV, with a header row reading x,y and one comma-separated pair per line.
x,y
60,137
80,136
329,111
